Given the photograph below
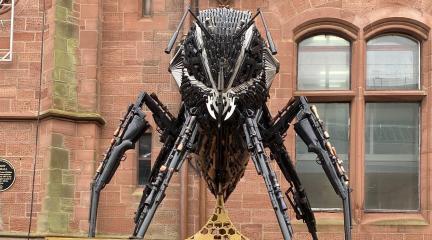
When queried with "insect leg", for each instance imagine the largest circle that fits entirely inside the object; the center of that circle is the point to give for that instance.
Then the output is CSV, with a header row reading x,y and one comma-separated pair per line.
x,y
273,131
260,160
296,194
311,130
132,126
155,191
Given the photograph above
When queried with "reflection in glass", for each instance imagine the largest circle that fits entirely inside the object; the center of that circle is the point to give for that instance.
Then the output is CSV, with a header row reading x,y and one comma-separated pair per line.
x,y
393,63
323,63
392,156
144,158
318,188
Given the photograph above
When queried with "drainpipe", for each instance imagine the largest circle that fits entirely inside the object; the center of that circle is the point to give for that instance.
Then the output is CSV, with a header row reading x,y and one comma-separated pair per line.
x,y
184,171
202,203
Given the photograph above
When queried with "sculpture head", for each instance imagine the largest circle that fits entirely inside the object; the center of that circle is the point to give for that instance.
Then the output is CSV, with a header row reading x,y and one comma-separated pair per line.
x,y
223,54
222,50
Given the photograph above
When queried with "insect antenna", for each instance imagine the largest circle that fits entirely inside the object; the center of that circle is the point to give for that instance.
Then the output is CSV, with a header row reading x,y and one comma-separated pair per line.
x,y
270,41
175,34
269,37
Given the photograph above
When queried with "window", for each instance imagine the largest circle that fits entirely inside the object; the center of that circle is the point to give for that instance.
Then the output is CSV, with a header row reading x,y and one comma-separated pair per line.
x,y
392,137
393,62
319,190
146,8
392,156
144,158
323,63
379,119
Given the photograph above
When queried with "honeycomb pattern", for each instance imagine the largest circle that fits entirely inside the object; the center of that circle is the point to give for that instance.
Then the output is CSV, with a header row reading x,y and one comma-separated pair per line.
x,y
219,226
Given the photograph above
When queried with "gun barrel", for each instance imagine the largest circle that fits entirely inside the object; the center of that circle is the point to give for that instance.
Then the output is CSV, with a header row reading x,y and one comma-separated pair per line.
x,y
347,215
94,200
174,36
270,41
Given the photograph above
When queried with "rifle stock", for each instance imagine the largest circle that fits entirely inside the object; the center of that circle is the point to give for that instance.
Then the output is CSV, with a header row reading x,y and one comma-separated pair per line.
x,y
131,127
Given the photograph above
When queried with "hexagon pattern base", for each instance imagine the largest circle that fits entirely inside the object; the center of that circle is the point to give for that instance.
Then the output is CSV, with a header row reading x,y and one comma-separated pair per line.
x,y
219,226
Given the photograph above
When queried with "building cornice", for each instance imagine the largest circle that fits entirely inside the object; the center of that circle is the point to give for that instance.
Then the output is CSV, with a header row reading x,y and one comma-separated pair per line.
x,y
55,114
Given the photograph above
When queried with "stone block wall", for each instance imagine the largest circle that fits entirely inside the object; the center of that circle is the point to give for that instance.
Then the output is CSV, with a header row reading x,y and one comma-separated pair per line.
x,y
98,55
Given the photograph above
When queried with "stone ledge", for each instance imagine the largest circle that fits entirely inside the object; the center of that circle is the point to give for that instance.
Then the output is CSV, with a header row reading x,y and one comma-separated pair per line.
x,y
399,222
51,236
55,113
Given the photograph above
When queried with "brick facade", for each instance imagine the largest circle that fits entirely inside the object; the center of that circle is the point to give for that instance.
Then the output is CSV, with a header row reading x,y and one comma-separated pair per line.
x,y
99,54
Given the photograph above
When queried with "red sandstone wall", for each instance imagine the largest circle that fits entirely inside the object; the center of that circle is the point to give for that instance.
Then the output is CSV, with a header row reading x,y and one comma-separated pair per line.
x,y
132,60
18,149
120,54
18,96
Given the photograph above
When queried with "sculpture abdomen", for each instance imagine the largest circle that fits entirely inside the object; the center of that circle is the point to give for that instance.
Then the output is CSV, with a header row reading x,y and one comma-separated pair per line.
x,y
234,160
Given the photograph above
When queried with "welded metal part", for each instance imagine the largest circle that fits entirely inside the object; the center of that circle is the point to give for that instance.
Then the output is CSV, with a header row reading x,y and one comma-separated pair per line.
x,y
131,127
156,189
224,70
219,226
262,165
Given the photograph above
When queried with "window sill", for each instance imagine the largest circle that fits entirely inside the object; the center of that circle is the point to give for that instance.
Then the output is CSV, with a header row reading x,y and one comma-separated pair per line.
x,y
325,222
146,18
325,219
394,219
394,95
322,222
138,192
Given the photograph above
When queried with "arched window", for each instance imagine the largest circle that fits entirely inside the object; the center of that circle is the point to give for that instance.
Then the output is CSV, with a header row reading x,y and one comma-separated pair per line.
x,y
392,130
393,62
323,63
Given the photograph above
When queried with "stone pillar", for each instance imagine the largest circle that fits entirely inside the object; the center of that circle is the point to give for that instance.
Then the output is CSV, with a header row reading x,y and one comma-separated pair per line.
x,y
70,116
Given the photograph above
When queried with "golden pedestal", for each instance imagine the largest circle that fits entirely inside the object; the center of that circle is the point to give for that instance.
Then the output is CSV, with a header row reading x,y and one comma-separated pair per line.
x,y
219,226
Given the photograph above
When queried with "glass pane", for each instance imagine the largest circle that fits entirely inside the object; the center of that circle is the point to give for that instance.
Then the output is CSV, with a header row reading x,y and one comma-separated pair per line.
x,y
144,158
323,63
392,156
146,8
318,188
144,167
393,63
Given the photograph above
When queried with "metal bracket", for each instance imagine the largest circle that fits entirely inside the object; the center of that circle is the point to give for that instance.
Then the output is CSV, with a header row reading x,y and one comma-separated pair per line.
x,y
5,26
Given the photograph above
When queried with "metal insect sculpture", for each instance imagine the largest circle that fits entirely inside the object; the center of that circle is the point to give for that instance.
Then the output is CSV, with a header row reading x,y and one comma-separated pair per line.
x,y
224,70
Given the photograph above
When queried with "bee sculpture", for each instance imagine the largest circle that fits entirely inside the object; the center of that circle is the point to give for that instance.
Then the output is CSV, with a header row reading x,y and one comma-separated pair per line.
x,y
224,69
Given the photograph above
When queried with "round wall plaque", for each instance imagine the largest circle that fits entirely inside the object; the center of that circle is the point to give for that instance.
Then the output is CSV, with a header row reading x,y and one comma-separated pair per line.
x,y
7,175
